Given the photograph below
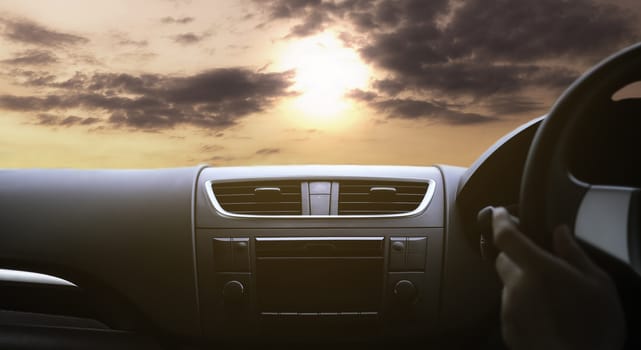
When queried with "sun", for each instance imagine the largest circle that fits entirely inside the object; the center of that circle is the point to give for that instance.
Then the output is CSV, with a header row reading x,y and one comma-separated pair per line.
x,y
325,71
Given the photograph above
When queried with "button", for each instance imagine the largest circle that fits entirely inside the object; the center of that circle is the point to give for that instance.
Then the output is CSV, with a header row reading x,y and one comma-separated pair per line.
x,y
240,254
231,254
320,187
223,255
319,204
416,253
397,253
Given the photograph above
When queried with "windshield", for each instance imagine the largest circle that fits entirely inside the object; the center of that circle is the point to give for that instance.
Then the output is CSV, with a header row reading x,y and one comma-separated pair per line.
x,y
121,84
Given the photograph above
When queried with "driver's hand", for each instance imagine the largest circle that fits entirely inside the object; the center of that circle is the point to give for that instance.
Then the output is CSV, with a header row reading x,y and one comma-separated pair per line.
x,y
554,301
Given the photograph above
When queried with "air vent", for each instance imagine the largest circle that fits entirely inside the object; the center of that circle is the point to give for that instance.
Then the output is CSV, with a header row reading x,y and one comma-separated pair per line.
x,y
259,197
380,197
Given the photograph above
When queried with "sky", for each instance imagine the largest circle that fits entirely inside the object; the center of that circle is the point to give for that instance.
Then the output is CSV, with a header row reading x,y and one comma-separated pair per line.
x,y
147,84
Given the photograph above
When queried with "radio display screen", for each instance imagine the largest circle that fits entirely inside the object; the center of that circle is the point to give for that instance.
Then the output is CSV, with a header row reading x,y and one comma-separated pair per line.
x,y
319,274
319,284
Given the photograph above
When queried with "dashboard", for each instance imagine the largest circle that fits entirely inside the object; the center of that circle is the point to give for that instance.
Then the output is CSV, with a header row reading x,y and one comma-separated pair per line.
x,y
221,255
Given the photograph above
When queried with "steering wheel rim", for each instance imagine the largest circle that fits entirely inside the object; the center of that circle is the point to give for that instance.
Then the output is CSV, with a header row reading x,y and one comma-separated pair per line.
x,y
550,195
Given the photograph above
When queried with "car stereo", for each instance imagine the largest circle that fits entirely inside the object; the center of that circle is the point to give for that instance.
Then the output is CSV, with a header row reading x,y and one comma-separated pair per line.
x,y
252,283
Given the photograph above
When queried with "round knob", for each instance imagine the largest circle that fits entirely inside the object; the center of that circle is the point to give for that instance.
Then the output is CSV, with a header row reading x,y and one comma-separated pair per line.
x,y
398,246
405,291
233,291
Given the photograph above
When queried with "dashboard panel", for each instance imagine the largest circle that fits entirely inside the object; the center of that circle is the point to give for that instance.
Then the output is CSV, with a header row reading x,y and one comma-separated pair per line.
x,y
252,253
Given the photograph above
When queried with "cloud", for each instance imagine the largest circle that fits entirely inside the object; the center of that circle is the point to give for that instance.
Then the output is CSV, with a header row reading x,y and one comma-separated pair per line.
x,y
220,159
514,105
532,29
32,58
130,42
189,38
418,109
176,20
364,14
211,148
362,95
475,79
123,39
413,109
486,52
54,120
27,32
267,151
312,24
489,47
214,99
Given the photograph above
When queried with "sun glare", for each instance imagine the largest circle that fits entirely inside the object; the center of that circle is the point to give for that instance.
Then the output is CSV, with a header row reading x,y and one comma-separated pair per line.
x,y
325,71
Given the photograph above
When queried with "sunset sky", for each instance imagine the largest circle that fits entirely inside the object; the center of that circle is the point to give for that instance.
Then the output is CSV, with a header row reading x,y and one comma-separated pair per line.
x,y
138,84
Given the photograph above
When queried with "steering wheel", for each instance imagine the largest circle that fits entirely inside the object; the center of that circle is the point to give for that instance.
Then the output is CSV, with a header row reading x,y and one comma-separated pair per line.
x,y
605,217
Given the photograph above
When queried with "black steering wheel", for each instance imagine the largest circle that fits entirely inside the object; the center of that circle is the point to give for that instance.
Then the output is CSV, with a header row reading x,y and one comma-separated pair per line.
x,y
603,216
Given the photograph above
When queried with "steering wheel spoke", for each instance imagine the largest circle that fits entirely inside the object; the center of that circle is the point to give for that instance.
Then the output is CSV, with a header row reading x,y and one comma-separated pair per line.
x,y
604,216
607,219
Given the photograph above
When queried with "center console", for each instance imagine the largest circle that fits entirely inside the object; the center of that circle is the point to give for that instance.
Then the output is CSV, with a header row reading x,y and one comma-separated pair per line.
x,y
329,275
356,281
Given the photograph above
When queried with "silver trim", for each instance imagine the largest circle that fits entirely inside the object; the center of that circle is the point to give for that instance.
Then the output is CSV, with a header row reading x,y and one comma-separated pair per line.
x,y
267,189
194,256
17,276
429,193
382,189
602,219
267,239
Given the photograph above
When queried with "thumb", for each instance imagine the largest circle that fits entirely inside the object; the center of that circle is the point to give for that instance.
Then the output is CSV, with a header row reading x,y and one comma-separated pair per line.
x,y
569,250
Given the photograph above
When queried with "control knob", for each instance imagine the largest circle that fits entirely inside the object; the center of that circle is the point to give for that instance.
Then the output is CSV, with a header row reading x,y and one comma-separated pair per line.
x,y
405,291
233,291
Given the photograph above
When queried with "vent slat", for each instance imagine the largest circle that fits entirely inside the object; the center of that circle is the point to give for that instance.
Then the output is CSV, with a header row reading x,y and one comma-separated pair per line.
x,y
358,198
242,198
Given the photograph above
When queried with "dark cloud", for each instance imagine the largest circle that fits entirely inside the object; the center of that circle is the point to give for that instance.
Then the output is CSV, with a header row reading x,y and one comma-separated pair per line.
x,y
364,14
189,38
54,120
176,20
267,151
47,119
362,95
311,25
514,105
212,99
27,32
406,108
477,79
32,58
530,29
415,109
487,52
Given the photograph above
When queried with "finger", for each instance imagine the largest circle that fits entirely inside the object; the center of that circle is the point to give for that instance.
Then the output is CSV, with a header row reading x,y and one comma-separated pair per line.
x,y
507,270
520,249
568,249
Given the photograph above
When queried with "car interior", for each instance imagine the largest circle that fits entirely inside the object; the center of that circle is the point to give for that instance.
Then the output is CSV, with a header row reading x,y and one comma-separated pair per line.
x,y
343,256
